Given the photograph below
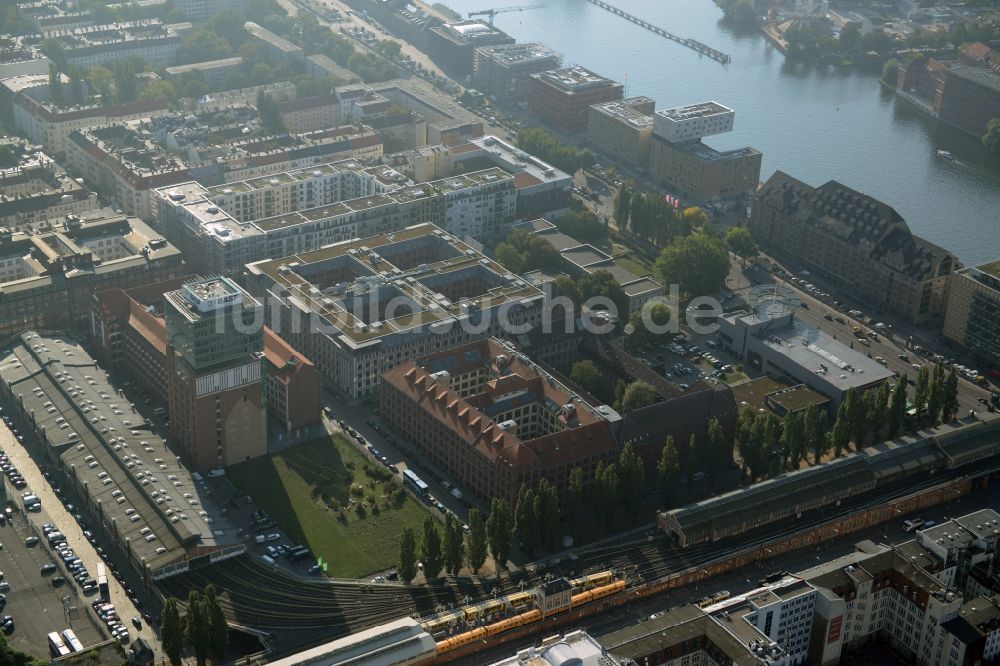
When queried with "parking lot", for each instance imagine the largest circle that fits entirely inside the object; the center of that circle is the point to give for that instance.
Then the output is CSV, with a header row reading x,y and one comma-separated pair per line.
x,y
37,606
53,511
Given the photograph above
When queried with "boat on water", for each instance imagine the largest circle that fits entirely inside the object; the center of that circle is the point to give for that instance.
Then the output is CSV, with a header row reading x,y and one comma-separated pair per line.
x,y
945,155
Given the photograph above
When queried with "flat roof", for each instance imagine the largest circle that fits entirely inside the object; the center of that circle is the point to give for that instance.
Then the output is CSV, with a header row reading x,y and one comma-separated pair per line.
x,y
625,111
992,268
367,272
980,75
400,641
150,498
575,79
517,54
701,110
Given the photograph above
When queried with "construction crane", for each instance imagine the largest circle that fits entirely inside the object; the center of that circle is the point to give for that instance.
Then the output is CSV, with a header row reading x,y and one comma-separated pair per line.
x,y
503,10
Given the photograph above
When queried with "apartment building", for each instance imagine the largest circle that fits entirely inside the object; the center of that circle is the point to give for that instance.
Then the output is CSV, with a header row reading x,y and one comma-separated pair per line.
x,y
214,71
494,420
856,243
972,318
504,72
622,129
50,125
561,98
358,308
153,41
199,10
37,189
278,48
126,162
47,275
224,227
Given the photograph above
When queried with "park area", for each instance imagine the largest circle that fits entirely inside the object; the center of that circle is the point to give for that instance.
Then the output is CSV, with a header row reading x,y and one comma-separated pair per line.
x,y
326,495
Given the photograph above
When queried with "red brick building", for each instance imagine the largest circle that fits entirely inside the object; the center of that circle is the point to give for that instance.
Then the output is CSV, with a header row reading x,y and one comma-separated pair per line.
x,y
129,335
561,98
493,419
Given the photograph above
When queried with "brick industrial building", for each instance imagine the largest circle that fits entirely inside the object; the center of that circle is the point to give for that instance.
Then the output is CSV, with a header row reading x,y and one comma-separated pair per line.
x,y
494,419
857,244
128,330
562,98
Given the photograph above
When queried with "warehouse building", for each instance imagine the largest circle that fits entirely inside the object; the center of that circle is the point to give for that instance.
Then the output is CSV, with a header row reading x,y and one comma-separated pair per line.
x,y
622,130
156,513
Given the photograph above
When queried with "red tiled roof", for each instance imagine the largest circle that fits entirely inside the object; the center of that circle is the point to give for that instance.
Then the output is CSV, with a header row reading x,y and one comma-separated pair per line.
x,y
278,353
524,179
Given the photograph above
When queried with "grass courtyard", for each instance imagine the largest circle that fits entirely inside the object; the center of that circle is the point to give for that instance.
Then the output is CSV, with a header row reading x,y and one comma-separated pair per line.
x,y
328,496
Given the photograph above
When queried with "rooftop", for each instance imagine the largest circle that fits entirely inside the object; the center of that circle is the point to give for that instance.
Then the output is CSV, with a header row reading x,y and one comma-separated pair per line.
x,y
625,111
395,283
511,55
575,79
156,506
706,153
979,75
700,110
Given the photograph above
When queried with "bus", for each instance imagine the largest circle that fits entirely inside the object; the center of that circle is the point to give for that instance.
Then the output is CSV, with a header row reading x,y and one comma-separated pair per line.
x,y
415,482
72,641
56,645
102,583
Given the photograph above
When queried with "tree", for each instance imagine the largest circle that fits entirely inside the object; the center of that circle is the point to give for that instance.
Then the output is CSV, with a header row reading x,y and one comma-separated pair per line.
x,y
453,546
699,264
718,450
270,113
218,626
740,242
890,72
601,284
476,545
574,497
526,520
172,632
753,450
125,83
196,631
430,549
569,289
935,398
55,85
850,38
499,528
841,435
694,217
897,407
669,469
991,138
922,390
100,80
623,205
878,413
638,394
587,375
856,417
633,477
792,437
659,315
390,48
200,45
547,504
949,401
160,90
550,149
407,567
582,224
522,252
609,487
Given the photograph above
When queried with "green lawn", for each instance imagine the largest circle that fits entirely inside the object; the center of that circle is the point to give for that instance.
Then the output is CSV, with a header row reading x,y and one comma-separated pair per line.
x,y
313,491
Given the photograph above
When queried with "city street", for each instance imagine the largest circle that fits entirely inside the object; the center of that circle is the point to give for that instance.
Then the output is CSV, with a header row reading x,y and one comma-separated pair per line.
x,y
54,512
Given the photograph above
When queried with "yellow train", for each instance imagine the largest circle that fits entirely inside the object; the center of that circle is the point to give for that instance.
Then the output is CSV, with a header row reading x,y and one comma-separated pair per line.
x,y
521,599
527,617
593,580
484,609
597,593
458,640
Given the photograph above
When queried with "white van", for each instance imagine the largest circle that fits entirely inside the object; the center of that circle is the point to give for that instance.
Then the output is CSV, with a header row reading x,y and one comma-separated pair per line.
x,y
267,560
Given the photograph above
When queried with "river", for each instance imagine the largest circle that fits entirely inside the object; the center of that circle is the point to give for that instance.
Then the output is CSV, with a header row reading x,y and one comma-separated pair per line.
x,y
816,123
